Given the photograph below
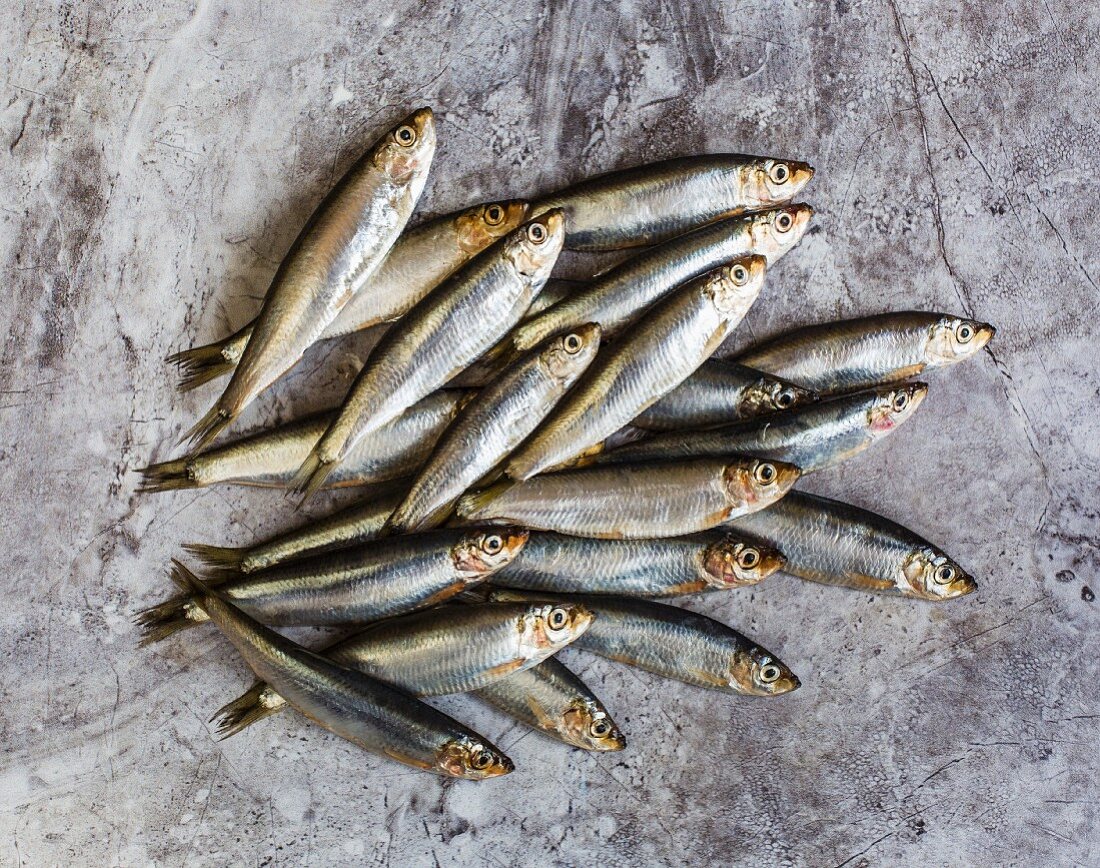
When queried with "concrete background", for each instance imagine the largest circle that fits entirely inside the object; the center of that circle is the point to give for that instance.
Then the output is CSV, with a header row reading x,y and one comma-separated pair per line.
x,y
161,157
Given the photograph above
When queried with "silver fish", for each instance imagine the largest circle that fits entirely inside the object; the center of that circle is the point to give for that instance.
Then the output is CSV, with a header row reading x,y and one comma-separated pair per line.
x,y
634,501
674,643
418,261
713,560
354,706
344,242
442,334
839,544
351,586
270,457
647,362
619,296
449,649
855,354
493,424
719,393
652,203
812,437
552,699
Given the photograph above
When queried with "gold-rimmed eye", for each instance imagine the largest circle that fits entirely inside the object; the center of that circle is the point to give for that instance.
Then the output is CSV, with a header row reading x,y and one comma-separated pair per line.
x,y
779,173
482,759
572,344
769,673
599,728
739,274
493,544
557,619
900,401
536,233
764,473
964,333
404,136
494,215
784,399
944,575
784,221
748,558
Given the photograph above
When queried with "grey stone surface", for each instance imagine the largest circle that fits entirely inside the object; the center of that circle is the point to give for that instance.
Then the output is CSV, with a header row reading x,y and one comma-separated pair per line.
x,y
161,157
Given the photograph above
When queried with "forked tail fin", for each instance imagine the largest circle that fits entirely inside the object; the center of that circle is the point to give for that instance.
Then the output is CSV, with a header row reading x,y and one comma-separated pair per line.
x,y
311,476
259,702
221,563
200,365
208,427
167,476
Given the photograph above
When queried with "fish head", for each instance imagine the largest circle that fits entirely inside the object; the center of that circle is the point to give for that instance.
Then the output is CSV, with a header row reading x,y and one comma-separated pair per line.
x,y
758,672
952,339
586,725
482,552
467,757
534,247
480,226
566,356
735,563
547,627
893,405
758,482
406,151
734,287
769,394
931,575
777,230
766,181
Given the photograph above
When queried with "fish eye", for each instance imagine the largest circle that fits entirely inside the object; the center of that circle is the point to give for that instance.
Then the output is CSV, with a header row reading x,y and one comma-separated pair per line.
x,y
739,275
765,473
493,544
748,558
404,136
769,673
494,214
900,401
600,728
784,222
784,399
964,332
537,233
482,760
779,173
557,619
572,344
944,575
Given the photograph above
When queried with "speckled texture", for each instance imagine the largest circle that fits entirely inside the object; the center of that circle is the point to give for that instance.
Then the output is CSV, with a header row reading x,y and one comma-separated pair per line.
x,y
161,157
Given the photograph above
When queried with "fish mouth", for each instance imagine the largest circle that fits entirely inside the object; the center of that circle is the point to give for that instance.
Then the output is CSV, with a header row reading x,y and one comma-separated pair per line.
x,y
801,175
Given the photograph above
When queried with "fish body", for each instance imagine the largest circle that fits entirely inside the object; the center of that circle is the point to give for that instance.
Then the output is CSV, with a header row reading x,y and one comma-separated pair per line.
x,y
419,260
550,698
344,242
493,424
812,437
835,543
449,649
649,360
633,501
652,203
354,706
353,586
849,355
675,643
452,326
713,560
719,393
269,458
619,296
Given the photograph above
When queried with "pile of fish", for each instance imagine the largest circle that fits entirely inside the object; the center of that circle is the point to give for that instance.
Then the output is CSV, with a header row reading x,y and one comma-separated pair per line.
x,y
544,459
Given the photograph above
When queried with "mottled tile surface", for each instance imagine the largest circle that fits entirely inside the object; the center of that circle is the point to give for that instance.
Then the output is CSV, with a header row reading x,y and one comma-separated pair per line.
x,y
161,157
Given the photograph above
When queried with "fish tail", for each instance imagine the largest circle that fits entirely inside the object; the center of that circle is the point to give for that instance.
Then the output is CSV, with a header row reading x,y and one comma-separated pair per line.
x,y
311,476
200,365
221,563
161,621
470,504
167,476
244,711
208,427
